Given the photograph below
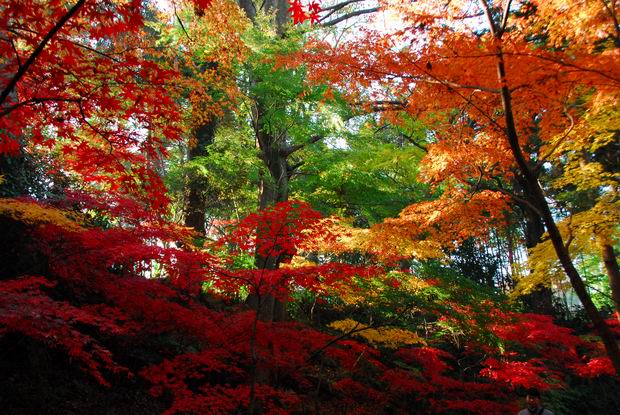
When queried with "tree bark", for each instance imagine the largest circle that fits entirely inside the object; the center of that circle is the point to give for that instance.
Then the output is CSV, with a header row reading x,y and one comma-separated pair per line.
x,y
540,202
196,205
613,273
274,189
272,144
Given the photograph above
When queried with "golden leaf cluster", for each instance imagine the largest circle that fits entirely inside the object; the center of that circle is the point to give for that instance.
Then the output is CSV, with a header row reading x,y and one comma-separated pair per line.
x,y
32,213
585,232
388,337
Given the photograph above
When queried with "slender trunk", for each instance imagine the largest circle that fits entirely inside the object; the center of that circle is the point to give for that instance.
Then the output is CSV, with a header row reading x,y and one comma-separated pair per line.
x,y
538,197
613,273
540,300
512,260
198,187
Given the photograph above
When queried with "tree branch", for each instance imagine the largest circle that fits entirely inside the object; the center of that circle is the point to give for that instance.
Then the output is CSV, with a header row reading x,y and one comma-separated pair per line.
x,y
557,144
174,6
12,108
339,6
505,17
22,70
349,15
291,149
415,143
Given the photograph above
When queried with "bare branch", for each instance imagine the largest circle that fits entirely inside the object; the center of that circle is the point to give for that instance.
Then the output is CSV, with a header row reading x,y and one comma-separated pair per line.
x,y
518,199
415,143
454,85
19,61
505,17
339,6
489,15
558,143
174,6
350,15
12,108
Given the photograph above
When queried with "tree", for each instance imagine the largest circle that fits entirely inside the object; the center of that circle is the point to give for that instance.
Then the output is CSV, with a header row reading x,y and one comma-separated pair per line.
x,y
471,71
79,80
280,109
207,48
585,187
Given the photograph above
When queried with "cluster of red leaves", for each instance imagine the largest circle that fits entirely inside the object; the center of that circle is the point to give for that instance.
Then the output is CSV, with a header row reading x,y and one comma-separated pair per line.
x,y
442,392
556,348
92,91
26,309
300,15
105,280
99,290
280,232
218,379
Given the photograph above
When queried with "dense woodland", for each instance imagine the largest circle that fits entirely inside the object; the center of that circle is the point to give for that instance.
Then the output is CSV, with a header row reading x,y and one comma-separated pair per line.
x,y
309,207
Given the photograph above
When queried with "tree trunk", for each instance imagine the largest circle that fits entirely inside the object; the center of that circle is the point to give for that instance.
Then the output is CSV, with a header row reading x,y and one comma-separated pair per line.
x,y
198,187
541,205
274,189
541,300
613,273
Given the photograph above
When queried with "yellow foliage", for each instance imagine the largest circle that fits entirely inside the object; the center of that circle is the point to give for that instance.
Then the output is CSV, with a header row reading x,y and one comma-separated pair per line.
x,y
33,213
298,262
576,23
353,295
585,231
596,129
392,338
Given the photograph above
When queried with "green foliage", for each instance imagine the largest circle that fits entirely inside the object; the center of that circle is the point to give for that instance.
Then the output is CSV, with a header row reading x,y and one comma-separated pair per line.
x,y
229,173
365,173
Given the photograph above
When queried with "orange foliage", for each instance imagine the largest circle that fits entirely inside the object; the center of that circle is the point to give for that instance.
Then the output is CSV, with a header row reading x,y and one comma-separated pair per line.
x,y
441,68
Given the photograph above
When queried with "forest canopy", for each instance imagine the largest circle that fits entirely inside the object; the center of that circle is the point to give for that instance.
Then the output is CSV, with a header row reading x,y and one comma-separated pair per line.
x,y
309,207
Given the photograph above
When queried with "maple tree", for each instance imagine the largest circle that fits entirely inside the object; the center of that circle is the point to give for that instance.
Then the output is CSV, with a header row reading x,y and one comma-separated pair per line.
x,y
163,316
470,70
78,80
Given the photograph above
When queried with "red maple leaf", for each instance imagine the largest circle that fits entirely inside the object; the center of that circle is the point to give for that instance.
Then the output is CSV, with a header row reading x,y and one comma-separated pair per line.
x,y
297,11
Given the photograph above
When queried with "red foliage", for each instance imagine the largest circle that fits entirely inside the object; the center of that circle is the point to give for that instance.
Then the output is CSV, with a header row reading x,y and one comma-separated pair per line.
x,y
596,367
442,392
91,84
278,231
300,15
313,11
26,309
218,362
297,11
523,374
281,232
